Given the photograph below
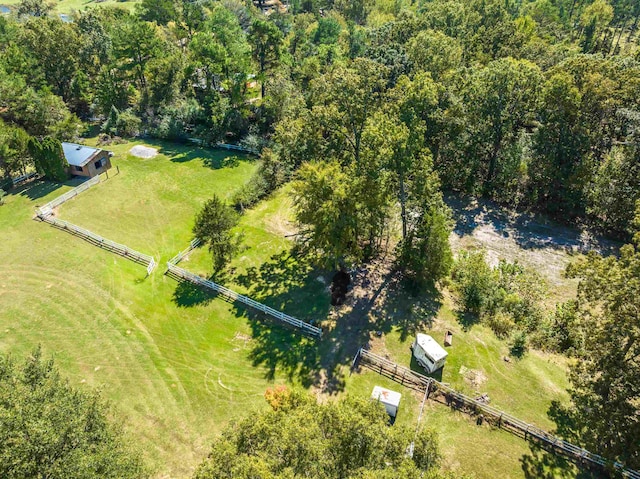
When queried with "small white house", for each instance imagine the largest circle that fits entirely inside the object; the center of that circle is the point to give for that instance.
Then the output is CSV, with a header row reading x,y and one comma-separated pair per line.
x,y
390,399
429,354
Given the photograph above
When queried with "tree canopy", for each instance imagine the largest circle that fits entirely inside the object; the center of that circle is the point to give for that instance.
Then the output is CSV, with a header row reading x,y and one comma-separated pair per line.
x,y
51,429
297,437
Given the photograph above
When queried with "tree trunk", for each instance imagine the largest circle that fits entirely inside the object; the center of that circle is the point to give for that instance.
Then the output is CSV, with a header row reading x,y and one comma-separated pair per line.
x,y
493,159
624,23
403,201
633,28
263,68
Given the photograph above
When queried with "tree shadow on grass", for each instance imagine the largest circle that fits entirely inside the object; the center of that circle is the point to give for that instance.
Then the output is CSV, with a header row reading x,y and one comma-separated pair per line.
x,y
290,283
40,188
187,151
542,464
406,309
280,349
466,319
187,295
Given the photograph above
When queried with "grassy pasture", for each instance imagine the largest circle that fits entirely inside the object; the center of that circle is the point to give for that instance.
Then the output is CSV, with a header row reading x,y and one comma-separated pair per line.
x,y
180,364
69,6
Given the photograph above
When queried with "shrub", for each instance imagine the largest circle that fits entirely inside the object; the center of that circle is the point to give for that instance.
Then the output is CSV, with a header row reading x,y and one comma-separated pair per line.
x,y
473,282
122,123
501,323
269,176
518,344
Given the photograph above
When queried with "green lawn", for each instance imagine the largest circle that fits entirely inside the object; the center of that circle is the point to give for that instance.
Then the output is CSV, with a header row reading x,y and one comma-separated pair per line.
x,y
180,364
70,6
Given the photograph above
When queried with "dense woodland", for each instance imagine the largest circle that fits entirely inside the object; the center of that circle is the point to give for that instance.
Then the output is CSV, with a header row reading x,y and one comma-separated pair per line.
x,y
371,109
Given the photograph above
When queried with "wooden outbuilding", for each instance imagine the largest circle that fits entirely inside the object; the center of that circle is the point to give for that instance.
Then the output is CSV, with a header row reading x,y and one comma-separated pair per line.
x,y
86,161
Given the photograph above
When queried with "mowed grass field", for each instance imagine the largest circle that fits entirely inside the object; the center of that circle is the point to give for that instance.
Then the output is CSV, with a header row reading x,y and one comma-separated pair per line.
x,y
69,6
179,364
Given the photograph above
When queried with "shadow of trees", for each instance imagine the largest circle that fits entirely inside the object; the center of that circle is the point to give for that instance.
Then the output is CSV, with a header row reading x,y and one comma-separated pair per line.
x,y
187,295
187,151
289,282
529,231
40,188
541,464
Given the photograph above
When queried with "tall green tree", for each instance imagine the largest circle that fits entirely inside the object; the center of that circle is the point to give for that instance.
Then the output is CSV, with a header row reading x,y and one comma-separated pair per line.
x,y
605,381
135,45
48,158
266,40
51,429
213,226
502,102
345,99
54,45
298,437
159,11
560,147
14,157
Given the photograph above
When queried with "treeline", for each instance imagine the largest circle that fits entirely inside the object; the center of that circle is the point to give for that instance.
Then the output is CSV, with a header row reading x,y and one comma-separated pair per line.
x,y
531,103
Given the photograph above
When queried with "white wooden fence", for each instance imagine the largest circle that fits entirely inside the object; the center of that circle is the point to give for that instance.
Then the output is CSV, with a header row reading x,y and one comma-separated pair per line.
x,y
104,243
242,149
22,178
47,209
225,146
306,328
177,258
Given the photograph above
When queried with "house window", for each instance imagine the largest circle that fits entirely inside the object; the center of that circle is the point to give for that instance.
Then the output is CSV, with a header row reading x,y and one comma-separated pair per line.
x,y
77,168
98,164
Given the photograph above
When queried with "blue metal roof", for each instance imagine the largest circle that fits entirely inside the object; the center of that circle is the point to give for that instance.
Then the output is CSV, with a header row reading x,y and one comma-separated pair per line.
x,y
78,155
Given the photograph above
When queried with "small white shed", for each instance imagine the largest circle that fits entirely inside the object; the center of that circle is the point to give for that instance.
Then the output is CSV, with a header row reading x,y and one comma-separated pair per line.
x,y
429,354
390,399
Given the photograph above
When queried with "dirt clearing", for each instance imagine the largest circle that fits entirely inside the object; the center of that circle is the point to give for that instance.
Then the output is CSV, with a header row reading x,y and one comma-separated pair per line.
x,y
142,151
533,241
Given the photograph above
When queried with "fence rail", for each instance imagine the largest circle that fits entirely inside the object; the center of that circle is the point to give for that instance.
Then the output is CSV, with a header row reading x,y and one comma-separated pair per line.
x,y
225,146
439,391
181,273
22,178
47,209
103,243
192,245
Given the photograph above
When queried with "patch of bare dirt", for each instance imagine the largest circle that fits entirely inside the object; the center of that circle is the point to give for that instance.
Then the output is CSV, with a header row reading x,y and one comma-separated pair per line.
x,y
473,377
532,240
142,151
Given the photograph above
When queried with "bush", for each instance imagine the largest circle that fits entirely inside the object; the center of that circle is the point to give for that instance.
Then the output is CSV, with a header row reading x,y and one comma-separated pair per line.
x,y
178,121
124,123
518,344
269,176
560,331
501,323
425,253
473,282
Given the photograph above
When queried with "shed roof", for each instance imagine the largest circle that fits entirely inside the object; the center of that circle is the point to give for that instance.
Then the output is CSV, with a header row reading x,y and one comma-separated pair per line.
x,y
431,347
386,396
78,155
